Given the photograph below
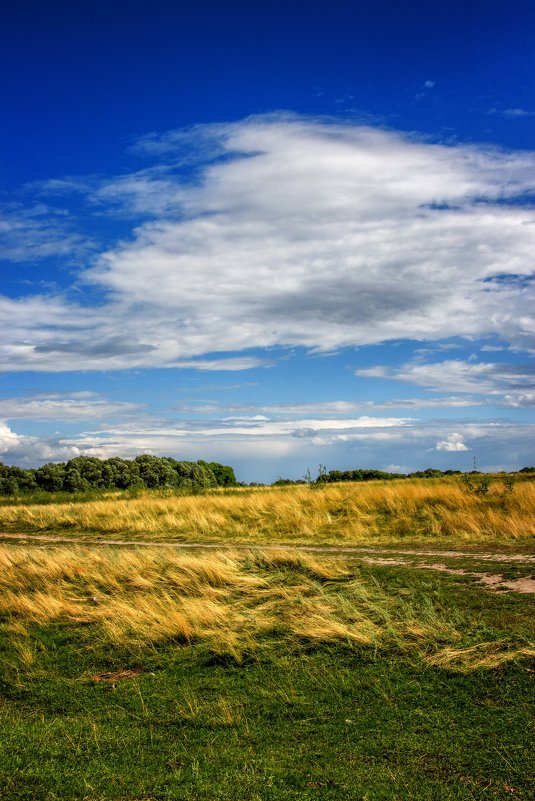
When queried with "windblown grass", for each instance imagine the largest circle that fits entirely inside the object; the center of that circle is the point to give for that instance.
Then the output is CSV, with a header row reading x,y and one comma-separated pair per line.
x,y
238,605
441,509
147,673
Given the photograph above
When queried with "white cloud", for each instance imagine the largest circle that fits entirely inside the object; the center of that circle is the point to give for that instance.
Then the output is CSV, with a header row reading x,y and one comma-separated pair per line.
x,y
515,113
38,232
308,233
231,364
520,399
29,451
9,440
75,407
260,426
455,442
456,375
337,407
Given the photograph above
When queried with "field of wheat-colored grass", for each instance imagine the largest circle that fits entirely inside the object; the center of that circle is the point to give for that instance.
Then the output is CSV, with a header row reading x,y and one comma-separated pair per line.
x,y
236,604
437,510
132,672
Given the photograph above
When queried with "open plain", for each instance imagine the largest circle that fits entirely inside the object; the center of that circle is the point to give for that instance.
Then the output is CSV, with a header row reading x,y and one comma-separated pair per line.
x,y
348,642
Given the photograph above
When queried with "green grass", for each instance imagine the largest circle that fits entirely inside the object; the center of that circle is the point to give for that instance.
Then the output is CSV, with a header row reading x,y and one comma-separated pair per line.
x,y
328,725
297,720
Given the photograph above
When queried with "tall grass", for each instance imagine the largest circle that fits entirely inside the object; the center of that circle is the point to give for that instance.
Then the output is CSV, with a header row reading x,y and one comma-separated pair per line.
x,y
441,509
237,605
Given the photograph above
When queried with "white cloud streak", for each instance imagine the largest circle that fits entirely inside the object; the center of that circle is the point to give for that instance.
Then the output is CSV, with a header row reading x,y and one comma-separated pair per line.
x,y
512,113
39,232
338,407
67,409
455,375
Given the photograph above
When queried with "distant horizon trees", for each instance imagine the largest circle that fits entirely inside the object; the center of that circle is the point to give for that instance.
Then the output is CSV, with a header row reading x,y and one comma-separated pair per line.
x,y
146,471
336,476
85,473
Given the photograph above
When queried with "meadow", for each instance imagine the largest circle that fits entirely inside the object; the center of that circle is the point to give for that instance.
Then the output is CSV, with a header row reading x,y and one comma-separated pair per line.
x,y
430,510
248,673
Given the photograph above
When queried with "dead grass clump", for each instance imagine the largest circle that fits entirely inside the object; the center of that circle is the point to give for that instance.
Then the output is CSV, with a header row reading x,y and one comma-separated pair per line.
x,y
322,568
487,655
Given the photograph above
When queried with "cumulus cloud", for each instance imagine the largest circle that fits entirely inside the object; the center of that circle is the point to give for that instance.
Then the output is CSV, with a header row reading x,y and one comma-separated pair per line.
x,y
455,442
294,232
29,451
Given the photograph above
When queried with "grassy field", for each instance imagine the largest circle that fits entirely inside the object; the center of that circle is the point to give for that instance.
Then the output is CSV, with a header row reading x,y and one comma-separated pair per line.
x,y
435,510
266,674
151,675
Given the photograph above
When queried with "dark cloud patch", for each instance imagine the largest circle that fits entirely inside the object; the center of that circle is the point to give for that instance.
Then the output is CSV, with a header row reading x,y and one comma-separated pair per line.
x,y
115,346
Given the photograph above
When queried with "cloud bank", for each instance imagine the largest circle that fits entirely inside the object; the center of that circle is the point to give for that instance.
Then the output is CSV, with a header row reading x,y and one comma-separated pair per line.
x,y
259,447
282,231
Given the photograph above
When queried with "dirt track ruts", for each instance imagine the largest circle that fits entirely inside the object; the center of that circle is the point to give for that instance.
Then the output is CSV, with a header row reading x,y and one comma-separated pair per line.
x,y
379,555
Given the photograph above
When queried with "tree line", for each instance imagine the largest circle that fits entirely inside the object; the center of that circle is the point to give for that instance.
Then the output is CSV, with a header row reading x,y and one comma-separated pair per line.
x,y
89,473
335,476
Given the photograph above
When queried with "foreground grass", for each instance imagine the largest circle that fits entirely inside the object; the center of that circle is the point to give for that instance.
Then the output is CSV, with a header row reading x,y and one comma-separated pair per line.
x,y
440,510
236,604
151,675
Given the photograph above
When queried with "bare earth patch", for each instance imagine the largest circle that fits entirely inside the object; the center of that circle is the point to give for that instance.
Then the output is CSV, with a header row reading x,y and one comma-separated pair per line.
x,y
494,581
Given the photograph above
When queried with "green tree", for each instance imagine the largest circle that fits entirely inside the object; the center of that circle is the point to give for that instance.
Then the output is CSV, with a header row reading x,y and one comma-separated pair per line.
x,y
90,469
223,473
8,485
155,471
50,477
74,481
194,475
121,473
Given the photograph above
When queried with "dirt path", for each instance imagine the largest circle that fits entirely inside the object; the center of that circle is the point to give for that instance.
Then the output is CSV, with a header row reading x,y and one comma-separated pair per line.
x,y
334,549
493,581
377,555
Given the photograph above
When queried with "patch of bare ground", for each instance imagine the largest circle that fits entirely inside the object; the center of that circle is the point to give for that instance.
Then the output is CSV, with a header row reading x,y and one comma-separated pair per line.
x,y
493,581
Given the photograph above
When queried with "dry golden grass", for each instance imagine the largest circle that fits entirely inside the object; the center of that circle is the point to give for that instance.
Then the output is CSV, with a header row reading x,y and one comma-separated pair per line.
x,y
441,509
482,655
235,603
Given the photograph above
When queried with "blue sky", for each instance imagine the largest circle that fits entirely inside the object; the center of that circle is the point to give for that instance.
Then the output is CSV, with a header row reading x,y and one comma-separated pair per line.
x,y
274,236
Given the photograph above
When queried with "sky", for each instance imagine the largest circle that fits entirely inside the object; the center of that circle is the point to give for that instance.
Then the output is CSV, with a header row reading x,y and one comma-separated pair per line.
x,y
273,235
